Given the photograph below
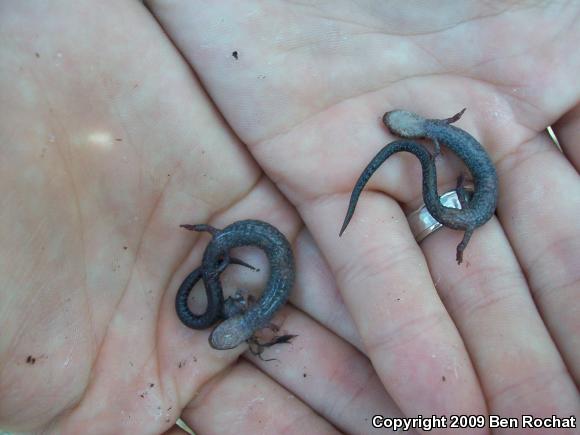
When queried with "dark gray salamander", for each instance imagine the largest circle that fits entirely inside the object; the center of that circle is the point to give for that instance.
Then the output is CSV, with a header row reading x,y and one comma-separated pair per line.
x,y
482,204
240,326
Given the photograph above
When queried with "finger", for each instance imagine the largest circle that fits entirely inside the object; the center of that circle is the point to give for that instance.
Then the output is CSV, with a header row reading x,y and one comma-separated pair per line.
x,y
516,361
407,334
328,374
244,400
316,292
539,209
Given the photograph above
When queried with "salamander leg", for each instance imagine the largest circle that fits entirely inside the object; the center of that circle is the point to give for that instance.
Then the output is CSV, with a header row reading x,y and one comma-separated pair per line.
x,y
201,227
455,117
450,120
234,260
238,303
257,347
460,190
461,247
226,260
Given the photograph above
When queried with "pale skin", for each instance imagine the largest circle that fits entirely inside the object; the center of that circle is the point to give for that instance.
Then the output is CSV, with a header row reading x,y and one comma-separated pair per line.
x,y
120,121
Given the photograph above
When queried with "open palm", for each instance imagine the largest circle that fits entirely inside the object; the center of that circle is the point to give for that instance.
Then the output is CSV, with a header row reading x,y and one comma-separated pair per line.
x,y
119,123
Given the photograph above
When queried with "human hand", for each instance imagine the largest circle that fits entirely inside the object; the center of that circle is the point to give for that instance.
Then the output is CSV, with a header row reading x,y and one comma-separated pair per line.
x,y
89,195
107,147
306,90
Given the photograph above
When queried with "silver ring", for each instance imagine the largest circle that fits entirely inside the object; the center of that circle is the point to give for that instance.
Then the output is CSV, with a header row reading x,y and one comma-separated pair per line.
x,y
423,224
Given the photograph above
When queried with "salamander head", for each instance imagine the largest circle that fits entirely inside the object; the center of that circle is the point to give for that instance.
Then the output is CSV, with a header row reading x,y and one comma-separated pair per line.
x,y
230,333
405,124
